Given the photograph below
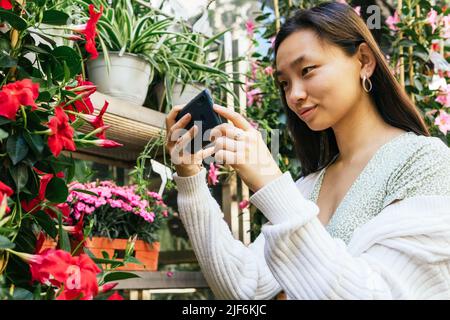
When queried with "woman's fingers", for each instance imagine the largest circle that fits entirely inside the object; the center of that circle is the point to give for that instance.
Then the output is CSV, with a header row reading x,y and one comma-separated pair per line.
x,y
228,157
237,119
224,143
223,130
205,153
177,129
187,137
170,119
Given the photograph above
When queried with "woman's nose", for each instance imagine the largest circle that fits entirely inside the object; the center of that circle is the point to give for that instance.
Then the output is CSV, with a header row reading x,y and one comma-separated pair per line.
x,y
297,94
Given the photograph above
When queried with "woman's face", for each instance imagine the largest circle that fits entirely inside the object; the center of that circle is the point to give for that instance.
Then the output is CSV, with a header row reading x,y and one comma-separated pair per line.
x,y
318,77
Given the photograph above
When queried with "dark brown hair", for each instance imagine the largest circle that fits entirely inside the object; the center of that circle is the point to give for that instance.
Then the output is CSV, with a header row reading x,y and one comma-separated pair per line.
x,y
338,24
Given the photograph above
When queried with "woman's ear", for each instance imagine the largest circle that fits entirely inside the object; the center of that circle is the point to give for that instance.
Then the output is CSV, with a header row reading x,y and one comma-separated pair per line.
x,y
367,60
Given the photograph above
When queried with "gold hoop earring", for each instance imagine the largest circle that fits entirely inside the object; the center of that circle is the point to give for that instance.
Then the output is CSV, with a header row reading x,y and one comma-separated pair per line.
x,y
364,84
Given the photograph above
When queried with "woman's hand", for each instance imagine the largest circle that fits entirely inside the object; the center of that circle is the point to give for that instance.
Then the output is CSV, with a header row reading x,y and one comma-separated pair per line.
x,y
177,138
242,146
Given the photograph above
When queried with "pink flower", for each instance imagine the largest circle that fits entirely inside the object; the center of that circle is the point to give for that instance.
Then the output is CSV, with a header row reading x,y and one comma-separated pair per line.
x,y
444,97
244,204
446,29
169,274
212,174
272,42
268,70
253,96
80,206
250,27
254,67
443,122
391,21
432,18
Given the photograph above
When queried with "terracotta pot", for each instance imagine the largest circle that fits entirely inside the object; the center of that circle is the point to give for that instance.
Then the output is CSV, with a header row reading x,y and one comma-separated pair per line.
x,y
146,253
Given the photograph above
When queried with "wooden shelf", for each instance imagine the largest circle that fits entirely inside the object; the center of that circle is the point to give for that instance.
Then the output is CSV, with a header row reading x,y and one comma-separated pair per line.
x,y
132,125
160,279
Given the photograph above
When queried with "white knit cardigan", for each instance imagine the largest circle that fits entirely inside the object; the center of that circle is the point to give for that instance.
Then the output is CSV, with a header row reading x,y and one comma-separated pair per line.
x,y
403,253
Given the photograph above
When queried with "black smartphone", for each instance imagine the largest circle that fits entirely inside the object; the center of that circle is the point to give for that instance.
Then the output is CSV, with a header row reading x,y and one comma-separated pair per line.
x,y
204,116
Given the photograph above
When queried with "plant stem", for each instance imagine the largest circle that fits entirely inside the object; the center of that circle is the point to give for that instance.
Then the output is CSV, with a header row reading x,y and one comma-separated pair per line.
x,y
24,114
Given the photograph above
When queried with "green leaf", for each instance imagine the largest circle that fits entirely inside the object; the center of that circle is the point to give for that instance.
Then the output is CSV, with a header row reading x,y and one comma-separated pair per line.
x,y
64,242
6,61
36,49
114,263
3,134
56,191
17,148
55,17
119,275
35,142
4,121
22,294
67,76
14,20
64,54
44,96
5,243
20,175
46,223
132,259
86,191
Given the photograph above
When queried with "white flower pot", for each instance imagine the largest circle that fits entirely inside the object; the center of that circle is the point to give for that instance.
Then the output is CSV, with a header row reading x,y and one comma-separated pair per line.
x,y
178,97
128,78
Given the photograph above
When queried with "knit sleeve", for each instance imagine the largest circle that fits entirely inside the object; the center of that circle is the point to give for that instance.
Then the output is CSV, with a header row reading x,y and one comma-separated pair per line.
x,y
425,172
310,264
232,270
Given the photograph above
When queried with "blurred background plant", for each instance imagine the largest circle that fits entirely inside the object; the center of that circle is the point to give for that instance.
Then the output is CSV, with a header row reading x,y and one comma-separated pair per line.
x,y
44,99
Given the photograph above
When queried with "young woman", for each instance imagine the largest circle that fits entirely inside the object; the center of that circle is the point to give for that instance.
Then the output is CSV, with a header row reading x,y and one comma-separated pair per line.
x,y
370,217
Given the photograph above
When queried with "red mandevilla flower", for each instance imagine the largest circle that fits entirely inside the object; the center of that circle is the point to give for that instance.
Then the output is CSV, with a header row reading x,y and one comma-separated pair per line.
x,y
5,191
62,133
33,205
105,143
91,30
115,296
86,89
74,276
20,93
97,121
6,4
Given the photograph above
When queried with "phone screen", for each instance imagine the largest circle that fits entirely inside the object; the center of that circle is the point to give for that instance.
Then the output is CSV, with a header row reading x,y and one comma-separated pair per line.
x,y
204,116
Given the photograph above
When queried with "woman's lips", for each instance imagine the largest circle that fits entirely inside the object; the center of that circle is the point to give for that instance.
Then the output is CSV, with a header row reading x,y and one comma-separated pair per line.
x,y
307,112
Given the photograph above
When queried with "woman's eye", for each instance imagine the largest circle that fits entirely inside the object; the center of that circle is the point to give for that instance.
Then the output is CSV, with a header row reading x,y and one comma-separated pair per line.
x,y
307,70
